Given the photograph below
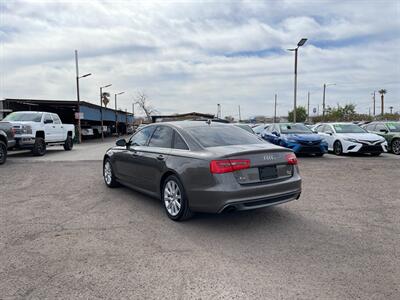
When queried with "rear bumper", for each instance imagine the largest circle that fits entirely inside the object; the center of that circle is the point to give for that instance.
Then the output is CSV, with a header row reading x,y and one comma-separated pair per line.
x,y
243,197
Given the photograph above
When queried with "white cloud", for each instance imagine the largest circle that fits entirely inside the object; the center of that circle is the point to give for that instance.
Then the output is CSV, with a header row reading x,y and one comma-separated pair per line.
x,y
188,56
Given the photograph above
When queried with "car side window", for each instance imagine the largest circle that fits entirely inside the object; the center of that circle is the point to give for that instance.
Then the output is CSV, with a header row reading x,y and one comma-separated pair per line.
x,y
179,143
370,127
380,127
162,137
56,119
320,128
142,136
327,129
47,119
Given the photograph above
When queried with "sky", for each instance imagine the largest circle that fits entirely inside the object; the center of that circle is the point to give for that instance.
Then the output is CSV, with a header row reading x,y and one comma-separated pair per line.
x,y
191,55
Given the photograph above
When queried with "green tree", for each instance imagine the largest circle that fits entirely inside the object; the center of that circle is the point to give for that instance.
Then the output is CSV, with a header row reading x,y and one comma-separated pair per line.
x,y
301,114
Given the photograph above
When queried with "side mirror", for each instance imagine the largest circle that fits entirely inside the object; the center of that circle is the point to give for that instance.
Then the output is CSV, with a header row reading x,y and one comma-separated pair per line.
x,y
329,132
121,143
383,130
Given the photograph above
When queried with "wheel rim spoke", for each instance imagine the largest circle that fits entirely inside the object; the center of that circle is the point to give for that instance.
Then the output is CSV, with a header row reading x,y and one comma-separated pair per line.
x,y
172,198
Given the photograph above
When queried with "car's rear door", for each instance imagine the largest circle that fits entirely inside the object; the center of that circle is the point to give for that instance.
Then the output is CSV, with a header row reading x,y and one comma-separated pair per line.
x,y
152,159
58,129
49,128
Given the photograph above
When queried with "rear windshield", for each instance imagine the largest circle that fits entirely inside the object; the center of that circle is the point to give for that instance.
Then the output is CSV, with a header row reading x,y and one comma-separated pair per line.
x,y
348,128
214,136
24,116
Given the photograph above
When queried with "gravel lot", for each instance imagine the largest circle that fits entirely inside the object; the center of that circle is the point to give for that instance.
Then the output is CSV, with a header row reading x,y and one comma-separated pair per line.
x,y
65,235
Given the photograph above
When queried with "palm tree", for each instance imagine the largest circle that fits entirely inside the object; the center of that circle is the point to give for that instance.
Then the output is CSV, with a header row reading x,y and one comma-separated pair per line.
x,y
382,92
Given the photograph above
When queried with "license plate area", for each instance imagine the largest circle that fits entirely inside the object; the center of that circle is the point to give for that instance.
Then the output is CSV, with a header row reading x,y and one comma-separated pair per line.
x,y
268,172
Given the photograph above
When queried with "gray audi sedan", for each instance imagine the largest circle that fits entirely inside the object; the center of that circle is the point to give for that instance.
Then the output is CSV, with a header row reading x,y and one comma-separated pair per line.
x,y
197,166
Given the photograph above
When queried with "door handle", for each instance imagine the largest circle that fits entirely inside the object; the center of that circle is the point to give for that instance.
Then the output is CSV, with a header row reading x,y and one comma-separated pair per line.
x,y
54,126
160,157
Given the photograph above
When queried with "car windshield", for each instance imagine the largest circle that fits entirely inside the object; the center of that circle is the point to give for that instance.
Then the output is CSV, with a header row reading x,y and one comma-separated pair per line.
x,y
348,128
245,127
24,116
393,127
214,136
259,128
294,128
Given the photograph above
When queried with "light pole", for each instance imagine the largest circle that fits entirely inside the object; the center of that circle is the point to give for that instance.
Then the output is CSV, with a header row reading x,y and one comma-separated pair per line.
x,y
373,98
323,99
78,95
101,108
299,44
276,98
116,116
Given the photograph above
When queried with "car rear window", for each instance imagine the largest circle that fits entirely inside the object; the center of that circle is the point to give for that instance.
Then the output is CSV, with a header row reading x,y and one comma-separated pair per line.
x,y
214,136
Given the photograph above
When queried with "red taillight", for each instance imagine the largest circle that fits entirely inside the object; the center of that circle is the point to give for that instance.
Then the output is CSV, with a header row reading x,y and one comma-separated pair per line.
x,y
228,165
291,159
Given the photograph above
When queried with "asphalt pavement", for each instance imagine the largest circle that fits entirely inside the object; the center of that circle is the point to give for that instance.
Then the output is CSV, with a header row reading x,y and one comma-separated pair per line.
x,y
65,235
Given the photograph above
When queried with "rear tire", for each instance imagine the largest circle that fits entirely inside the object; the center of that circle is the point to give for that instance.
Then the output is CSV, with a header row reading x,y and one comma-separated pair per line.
x,y
108,174
39,148
68,145
174,199
396,146
337,148
3,152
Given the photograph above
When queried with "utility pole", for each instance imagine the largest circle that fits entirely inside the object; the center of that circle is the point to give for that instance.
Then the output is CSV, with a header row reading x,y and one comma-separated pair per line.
x,y
308,106
299,44
240,116
276,98
374,102
116,113
219,111
78,96
323,103
323,99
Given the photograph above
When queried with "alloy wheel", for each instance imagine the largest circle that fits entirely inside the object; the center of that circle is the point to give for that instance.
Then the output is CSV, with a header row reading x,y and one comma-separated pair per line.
x,y
396,147
107,173
172,198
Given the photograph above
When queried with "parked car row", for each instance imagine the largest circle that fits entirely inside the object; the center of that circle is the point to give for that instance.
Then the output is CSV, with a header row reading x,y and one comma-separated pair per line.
x,y
373,138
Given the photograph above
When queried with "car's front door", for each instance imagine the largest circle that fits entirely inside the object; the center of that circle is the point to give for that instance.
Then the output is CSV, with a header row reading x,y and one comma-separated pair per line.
x,y
126,159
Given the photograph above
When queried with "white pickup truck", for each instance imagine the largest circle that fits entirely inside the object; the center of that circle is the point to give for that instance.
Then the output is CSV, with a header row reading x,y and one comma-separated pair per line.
x,y
36,130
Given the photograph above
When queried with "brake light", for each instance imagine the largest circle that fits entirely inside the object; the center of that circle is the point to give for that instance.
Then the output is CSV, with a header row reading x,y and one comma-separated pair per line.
x,y
228,165
291,159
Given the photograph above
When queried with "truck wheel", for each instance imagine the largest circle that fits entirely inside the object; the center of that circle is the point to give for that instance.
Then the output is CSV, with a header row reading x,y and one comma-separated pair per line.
x,y
68,144
3,152
39,148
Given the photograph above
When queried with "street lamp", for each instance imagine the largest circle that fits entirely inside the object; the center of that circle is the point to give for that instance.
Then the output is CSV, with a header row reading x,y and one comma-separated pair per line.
x,y
101,108
299,44
78,95
323,99
116,117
